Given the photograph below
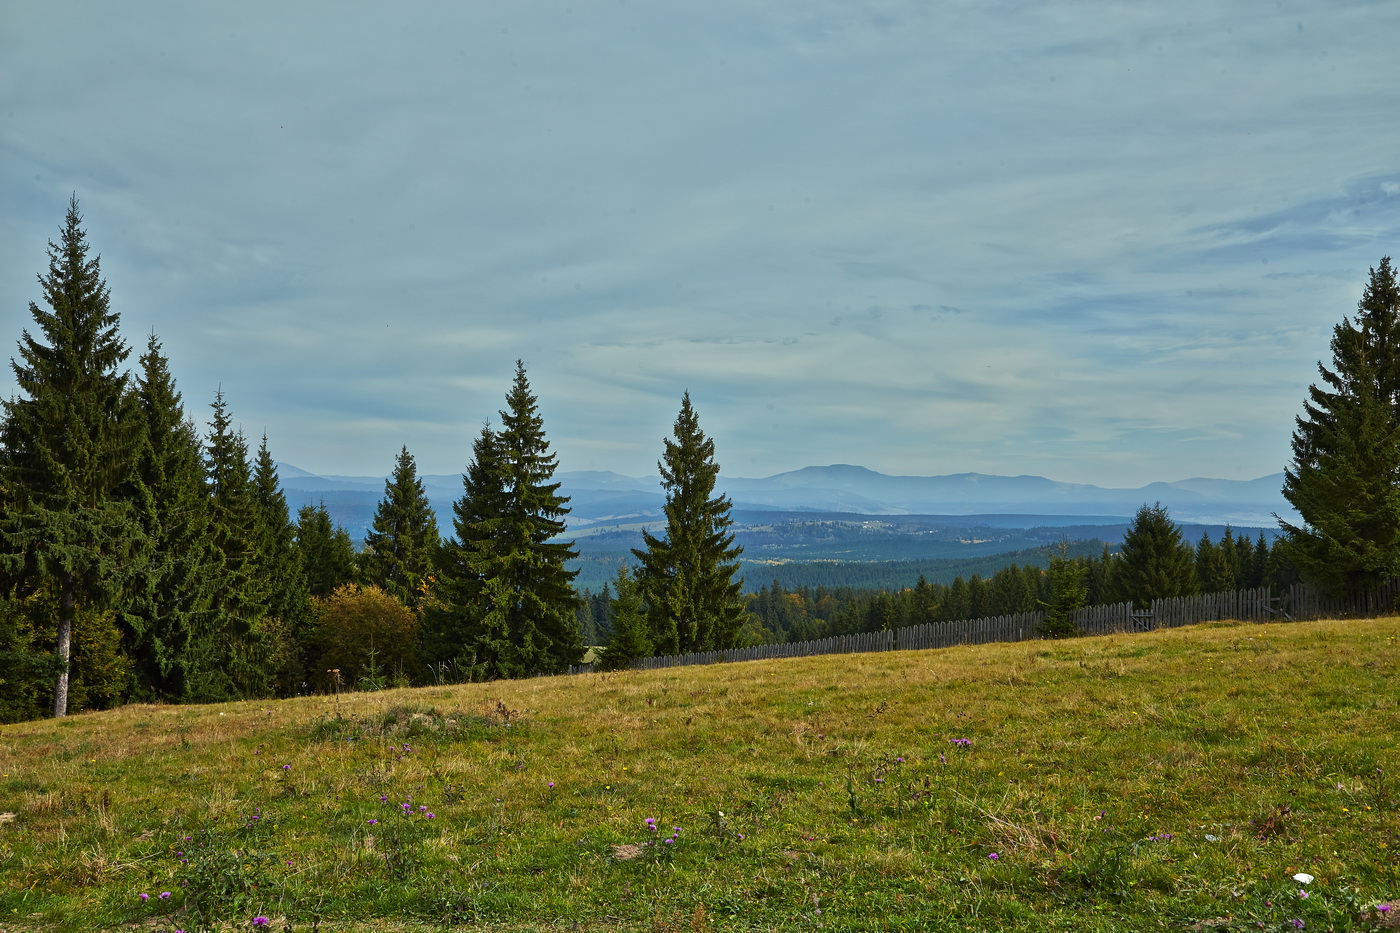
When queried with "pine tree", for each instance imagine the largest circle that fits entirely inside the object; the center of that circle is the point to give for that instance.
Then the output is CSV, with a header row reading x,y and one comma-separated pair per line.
x,y
455,636
173,640
924,607
687,576
1098,582
528,586
327,553
1344,479
26,678
1069,591
957,602
243,596
69,443
286,621
630,639
508,607
1258,564
402,544
1216,570
1154,563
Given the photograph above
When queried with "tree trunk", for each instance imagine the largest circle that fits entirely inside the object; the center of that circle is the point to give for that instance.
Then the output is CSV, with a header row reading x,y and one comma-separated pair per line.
x,y
65,646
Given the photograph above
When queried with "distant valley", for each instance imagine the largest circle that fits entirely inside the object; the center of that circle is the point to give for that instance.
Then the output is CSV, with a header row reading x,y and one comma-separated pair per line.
x,y
792,523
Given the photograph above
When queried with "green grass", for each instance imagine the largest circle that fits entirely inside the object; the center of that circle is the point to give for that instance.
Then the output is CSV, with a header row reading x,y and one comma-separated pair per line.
x,y
1169,781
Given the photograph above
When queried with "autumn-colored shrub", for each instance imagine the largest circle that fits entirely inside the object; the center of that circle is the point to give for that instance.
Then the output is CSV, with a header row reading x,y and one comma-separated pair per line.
x,y
365,639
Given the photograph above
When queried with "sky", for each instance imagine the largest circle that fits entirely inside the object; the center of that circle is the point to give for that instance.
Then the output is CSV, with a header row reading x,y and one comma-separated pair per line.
x,y
1099,242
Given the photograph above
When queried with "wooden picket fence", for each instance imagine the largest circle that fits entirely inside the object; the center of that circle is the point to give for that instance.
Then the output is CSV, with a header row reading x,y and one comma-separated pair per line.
x,y
1253,605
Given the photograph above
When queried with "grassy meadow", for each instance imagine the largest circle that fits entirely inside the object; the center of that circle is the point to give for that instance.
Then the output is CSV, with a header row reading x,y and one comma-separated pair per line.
x,y
1177,780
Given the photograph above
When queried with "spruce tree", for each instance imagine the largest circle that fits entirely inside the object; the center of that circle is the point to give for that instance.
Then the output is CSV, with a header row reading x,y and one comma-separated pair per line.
x,y
630,638
401,547
686,576
924,608
1344,478
1097,579
957,604
528,587
172,640
69,443
1216,570
1258,564
1154,563
508,607
327,553
455,637
243,596
1069,592
286,619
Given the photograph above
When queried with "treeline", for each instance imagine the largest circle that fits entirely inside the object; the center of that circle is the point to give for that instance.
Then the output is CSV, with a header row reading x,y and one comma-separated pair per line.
x,y
1159,563
900,574
1155,548
142,558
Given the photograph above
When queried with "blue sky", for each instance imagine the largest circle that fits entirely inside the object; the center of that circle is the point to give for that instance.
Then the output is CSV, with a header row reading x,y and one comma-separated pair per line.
x,y
1098,242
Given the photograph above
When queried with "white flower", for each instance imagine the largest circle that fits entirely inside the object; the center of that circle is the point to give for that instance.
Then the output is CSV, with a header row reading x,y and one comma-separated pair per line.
x,y
1303,878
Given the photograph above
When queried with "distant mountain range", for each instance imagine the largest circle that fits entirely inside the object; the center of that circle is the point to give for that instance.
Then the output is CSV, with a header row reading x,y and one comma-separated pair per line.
x,y
613,500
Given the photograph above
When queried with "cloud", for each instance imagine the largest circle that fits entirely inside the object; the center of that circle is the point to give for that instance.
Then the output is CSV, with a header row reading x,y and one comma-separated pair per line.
x,y
963,236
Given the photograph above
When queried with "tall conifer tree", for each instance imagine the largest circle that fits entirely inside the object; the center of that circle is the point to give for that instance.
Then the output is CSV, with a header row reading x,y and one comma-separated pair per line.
x,y
402,544
286,613
1345,476
68,444
510,607
243,596
455,632
687,576
174,640
528,588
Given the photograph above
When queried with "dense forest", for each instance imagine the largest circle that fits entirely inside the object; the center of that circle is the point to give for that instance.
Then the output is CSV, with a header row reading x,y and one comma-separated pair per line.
x,y
780,612
144,556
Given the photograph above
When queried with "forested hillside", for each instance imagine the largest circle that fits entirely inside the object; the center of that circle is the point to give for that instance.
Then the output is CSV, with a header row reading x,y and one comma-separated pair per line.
x,y
147,556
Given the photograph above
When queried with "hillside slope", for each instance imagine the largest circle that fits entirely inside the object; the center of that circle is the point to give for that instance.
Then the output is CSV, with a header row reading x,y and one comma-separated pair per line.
x,y
1146,782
